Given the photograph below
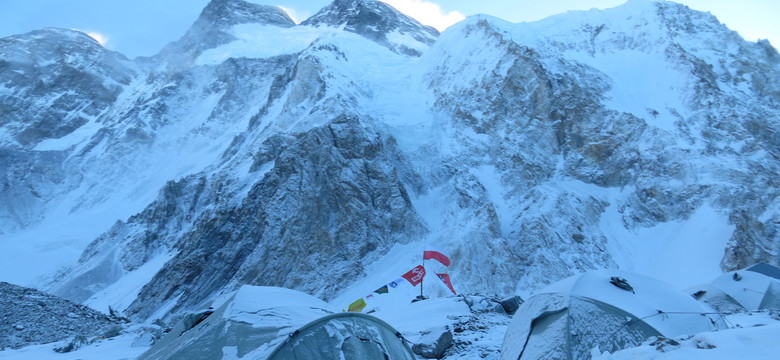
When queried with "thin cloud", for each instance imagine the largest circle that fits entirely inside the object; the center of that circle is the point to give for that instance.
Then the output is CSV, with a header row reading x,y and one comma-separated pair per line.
x,y
100,38
426,12
292,13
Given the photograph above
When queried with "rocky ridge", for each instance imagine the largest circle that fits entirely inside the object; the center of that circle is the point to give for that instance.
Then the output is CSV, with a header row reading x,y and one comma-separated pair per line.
x,y
33,317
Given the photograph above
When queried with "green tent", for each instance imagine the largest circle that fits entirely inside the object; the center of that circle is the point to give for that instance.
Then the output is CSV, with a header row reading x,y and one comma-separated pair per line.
x,y
275,323
603,310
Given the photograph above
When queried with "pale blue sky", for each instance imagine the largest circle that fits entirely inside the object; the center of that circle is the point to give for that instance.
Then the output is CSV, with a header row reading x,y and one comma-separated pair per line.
x,y
143,27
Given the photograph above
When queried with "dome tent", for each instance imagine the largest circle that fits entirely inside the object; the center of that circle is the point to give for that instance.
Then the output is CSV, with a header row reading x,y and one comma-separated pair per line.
x,y
606,310
276,323
344,336
752,289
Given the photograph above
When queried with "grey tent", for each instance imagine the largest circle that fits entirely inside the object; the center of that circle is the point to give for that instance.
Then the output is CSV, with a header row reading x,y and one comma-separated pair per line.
x,y
604,310
275,323
766,269
754,288
344,336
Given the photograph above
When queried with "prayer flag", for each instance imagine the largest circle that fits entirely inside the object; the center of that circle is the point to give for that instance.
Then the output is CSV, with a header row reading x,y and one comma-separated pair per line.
x,y
446,279
382,290
415,275
394,284
357,306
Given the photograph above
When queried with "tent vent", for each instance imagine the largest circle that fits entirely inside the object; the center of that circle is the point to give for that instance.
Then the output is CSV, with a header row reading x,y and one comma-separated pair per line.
x,y
621,283
699,294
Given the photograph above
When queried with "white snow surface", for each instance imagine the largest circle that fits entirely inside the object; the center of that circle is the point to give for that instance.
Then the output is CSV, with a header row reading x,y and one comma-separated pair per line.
x,y
123,347
120,294
263,41
683,253
753,337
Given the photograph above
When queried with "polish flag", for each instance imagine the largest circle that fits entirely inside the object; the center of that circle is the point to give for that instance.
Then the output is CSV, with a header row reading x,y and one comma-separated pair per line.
x,y
430,253
446,279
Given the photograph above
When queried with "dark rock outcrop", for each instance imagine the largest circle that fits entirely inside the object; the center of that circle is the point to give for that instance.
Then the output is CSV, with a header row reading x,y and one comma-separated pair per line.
x,y
33,317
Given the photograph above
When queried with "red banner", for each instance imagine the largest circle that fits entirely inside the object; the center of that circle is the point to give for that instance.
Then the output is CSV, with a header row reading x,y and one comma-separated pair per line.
x,y
446,279
415,275
436,255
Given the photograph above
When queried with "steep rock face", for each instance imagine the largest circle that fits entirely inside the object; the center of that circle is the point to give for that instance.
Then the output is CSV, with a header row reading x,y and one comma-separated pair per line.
x,y
376,21
191,114
530,127
50,86
551,110
130,244
50,89
297,222
29,179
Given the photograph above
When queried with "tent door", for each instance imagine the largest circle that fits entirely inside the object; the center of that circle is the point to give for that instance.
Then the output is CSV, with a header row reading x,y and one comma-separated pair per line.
x,y
355,348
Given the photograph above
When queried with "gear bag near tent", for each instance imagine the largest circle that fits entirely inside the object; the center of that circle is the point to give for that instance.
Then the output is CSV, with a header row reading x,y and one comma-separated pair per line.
x,y
606,310
752,289
279,324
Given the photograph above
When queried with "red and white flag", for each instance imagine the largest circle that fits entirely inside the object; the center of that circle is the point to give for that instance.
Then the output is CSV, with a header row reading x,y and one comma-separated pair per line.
x,y
446,279
415,275
430,253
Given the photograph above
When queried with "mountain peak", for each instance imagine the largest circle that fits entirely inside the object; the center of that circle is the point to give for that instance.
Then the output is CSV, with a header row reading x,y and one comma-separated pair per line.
x,y
225,13
374,20
214,28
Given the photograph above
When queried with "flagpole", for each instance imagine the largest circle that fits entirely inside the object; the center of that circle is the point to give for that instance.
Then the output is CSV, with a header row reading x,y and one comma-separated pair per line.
x,y
423,278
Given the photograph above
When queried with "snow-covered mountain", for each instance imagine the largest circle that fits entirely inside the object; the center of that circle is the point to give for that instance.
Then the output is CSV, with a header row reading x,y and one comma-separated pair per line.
x,y
322,156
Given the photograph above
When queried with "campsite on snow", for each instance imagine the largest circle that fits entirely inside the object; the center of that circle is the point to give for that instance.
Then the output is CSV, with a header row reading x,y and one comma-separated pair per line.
x,y
598,184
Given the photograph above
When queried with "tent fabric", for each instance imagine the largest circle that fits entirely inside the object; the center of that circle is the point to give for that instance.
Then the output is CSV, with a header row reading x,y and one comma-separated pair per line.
x,y
743,290
255,321
771,300
569,319
534,309
344,336
766,269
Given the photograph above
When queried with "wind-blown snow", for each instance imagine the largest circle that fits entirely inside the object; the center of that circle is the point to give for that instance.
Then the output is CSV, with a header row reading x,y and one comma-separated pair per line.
x,y
263,41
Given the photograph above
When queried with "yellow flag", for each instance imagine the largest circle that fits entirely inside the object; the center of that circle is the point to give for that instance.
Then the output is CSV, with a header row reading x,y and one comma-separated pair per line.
x,y
357,306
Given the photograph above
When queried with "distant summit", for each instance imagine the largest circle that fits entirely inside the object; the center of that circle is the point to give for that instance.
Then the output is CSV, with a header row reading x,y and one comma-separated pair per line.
x,y
374,20
60,64
225,13
213,27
